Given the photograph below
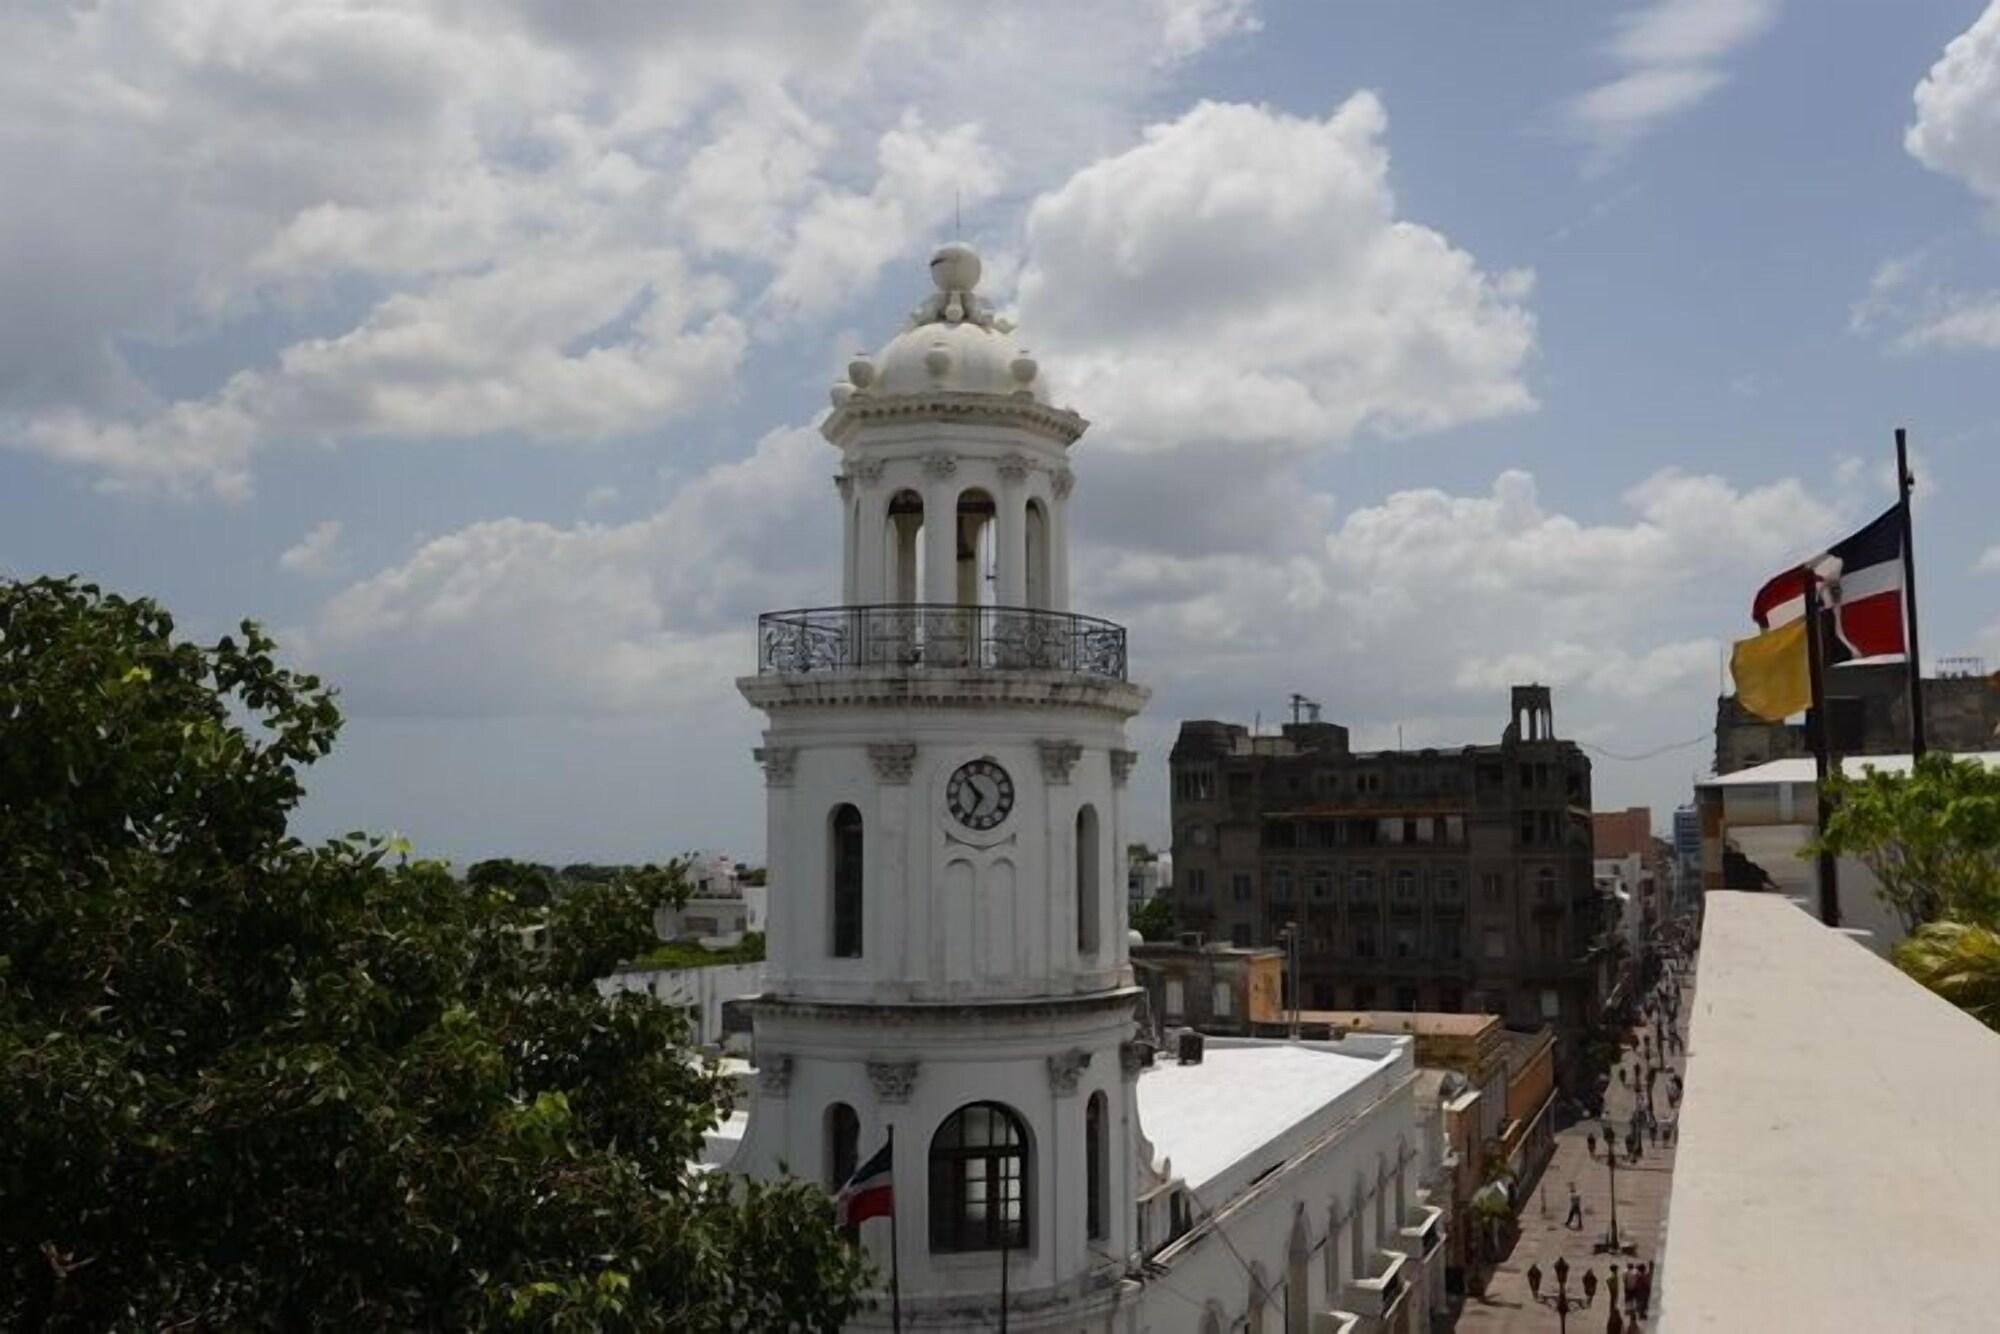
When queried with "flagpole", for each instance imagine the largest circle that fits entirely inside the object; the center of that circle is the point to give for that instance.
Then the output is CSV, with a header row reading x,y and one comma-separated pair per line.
x,y
1817,726
895,1264
1904,485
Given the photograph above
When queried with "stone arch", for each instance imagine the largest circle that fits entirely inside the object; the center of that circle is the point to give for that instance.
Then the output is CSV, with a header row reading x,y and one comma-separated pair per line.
x,y
903,536
1036,535
1097,1167
841,1129
982,1180
1357,1260
978,550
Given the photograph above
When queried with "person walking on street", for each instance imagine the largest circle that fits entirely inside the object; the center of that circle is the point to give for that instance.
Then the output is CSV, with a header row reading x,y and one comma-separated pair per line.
x,y
1645,1290
1575,1219
1611,1282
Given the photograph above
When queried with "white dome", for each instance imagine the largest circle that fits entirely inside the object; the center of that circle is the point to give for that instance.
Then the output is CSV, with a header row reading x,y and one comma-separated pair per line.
x,y
953,344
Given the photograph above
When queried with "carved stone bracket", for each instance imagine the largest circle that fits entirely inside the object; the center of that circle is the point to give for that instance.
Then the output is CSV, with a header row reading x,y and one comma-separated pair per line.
x,y
1065,1068
780,763
941,464
844,483
1130,1060
1058,758
774,1076
1121,765
1062,480
893,1080
869,471
893,760
1014,467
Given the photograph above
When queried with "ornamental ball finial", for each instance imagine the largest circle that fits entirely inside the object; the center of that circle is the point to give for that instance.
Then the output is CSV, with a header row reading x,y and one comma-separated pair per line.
x,y
955,267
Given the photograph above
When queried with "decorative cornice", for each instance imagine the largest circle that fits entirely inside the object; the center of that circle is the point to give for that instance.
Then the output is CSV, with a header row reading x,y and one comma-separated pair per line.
x,y
893,1080
780,763
868,470
859,410
932,688
1039,1009
774,1076
1058,758
1121,765
1061,481
1065,1068
940,464
893,760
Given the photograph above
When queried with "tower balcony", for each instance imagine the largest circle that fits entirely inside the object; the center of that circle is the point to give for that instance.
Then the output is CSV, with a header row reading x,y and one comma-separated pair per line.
x,y
918,637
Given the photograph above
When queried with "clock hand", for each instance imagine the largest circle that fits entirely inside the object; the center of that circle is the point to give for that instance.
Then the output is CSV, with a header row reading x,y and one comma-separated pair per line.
x,y
988,794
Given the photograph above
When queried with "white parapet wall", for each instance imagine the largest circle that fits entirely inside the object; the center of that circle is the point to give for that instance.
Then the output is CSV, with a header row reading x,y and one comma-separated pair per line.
x,y
700,991
1838,1166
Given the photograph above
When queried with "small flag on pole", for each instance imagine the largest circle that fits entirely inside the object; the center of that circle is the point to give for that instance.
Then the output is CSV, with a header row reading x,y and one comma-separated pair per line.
x,y
1773,674
870,1192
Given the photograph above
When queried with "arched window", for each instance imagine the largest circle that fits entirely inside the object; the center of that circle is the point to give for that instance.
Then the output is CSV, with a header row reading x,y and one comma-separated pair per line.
x,y
1298,1312
906,547
1088,903
1094,1168
976,554
844,865
1037,525
1545,884
843,1143
979,1180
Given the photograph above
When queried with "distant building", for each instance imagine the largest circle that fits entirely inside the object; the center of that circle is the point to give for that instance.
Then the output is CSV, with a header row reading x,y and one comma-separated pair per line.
x,y
1148,874
1755,822
1191,983
1453,880
719,910
1961,713
704,994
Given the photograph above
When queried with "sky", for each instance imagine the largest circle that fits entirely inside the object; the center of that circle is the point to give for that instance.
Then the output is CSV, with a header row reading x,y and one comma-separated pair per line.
x,y
478,349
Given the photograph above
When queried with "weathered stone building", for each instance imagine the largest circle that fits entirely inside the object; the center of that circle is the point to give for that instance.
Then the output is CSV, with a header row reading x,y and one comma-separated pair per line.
x,y
1455,880
1961,713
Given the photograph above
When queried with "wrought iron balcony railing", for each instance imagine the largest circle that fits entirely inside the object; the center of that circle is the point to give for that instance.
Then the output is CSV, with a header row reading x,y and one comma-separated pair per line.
x,y
942,636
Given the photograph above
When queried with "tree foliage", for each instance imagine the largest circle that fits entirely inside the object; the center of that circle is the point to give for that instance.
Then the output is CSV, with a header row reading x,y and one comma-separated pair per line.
x,y
1931,837
248,1083
1154,919
1960,961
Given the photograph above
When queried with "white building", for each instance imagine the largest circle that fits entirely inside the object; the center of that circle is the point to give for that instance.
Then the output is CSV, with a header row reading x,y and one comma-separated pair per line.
x,y
945,758
719,907
700,992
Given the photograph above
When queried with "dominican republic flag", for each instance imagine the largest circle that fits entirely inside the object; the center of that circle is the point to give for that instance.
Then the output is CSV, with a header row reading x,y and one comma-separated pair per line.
x,y
1860,588
870,1192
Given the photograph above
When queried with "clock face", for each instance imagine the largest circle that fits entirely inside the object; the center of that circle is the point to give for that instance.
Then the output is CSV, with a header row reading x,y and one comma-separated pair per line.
x,y
980,794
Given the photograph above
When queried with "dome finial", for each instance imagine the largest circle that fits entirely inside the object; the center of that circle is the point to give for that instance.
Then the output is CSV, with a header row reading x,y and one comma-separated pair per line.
x,y
955,267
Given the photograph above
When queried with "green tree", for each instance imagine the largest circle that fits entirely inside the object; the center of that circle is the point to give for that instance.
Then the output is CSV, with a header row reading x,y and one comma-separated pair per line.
x,y
531,884
1960,961
1931,837
248,1083
1154,919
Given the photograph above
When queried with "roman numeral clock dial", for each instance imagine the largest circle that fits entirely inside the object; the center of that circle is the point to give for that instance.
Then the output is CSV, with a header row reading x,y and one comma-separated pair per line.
x,y
980,795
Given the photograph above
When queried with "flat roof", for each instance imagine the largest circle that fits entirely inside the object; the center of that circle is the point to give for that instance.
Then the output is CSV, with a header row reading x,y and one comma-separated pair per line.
x,y
1835,1166
1800,768
1210,1116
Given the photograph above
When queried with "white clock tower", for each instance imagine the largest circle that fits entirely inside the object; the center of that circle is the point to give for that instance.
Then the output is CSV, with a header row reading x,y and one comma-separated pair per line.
x,y
945,759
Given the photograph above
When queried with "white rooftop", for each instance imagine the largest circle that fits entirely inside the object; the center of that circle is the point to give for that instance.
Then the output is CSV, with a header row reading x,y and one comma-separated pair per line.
x,y
1836,1166
1799,769
1209,1117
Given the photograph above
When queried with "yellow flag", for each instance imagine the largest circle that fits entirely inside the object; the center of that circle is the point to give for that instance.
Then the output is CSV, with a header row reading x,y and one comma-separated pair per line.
x,y
1773,679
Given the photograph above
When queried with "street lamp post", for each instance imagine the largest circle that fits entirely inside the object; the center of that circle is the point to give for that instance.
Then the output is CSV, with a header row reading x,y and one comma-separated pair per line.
x,y
1560,1301
1611,1161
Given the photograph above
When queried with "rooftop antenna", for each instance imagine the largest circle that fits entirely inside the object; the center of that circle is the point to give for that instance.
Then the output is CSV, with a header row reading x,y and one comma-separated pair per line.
x,y
1303,709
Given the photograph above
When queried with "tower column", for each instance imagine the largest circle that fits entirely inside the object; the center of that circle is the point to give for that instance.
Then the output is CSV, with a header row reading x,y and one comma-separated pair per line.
x,y
1059,550
941,542
1010,540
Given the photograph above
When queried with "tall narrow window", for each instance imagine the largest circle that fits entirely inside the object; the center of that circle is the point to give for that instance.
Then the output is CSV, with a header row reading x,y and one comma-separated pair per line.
x,y
979,1180
845,866
1087,899
843,1143
1094,1133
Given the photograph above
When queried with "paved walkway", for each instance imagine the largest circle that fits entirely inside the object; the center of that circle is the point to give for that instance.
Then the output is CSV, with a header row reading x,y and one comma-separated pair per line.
x,y
1642,1208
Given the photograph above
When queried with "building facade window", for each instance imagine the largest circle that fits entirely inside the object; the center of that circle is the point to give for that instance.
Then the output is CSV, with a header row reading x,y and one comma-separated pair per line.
x,y
1176,998
1195,785
1281,885
1088,904
1241,886
1223,1008
1239,935
1403,942
1493,942
843,1144
1096,1135
845,834
979,1174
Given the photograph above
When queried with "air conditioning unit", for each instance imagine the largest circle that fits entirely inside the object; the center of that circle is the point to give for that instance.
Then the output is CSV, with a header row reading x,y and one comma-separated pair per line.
x,y
1188,1047
1191,939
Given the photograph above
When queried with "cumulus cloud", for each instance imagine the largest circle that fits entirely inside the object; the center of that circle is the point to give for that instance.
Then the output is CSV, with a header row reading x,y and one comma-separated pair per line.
x,y
554,222
316,554
1917,310
1989,561
1236,294
1670,55
1957,129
